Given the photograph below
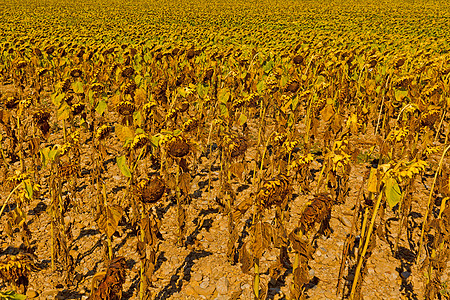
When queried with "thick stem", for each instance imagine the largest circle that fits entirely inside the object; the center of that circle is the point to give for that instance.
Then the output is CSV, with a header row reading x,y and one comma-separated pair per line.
x,y
366,245
105,203
256,280
179,206
143,283
52,234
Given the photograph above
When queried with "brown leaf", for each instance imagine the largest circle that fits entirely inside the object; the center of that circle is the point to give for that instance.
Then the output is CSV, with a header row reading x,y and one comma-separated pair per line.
x,y
123,132
237,169
327,112
236,295
183,165
246,259
301,244
109,219
140,249
171,182
185,183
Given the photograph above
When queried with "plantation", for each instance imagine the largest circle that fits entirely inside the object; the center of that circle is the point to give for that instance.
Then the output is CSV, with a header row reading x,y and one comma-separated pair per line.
x,y
224,150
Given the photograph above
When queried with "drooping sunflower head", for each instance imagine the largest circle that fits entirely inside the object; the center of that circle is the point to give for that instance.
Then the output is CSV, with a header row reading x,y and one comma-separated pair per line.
x,y
139,141
78,108
127,72
150,190
102,132
75,73
125,108
178,147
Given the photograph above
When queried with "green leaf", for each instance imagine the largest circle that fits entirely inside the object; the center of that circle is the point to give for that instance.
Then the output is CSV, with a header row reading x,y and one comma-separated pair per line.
x,y
139,131
260,86
202,90
138,79
12,295
294,103
101,107
45,155
63,112
154,140
123,167
242,119
268,66
91,97
52,154
78,87
393,192
57,98
223,95
223,110
29,189
400,94
137,117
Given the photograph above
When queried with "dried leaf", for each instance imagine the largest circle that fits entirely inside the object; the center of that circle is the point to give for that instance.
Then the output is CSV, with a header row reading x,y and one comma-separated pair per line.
x,y
185,183
109,219
246,258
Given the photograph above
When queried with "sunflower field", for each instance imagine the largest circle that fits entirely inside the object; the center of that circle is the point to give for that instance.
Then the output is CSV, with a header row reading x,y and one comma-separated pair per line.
x,y
224,149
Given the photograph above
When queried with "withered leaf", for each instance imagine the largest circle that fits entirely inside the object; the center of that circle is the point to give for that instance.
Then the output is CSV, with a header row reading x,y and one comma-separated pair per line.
x,y
185,183
301,245
246,258
327,112
236,295
171,181
237,169
183,165
109,219
140,249
123,132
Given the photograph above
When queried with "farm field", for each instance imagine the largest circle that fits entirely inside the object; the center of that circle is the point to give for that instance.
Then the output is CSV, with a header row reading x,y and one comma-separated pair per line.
x,y
224,150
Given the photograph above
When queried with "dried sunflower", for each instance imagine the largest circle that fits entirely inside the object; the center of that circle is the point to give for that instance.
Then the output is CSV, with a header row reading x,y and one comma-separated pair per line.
x,y
150,190
21,64
140,140
292,86
42,71
316,211
102,132
11,102
190,125
130,88
66,85
16,269
178,147
183,106
75,73
49,50
147,108
274,191
125,108
97,87
77,108
127,72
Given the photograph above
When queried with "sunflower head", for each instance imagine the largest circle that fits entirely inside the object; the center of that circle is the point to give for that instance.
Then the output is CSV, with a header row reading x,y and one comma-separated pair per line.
x,y
75,73
125,108
127,72
178,147
139,141
150,190
102,132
